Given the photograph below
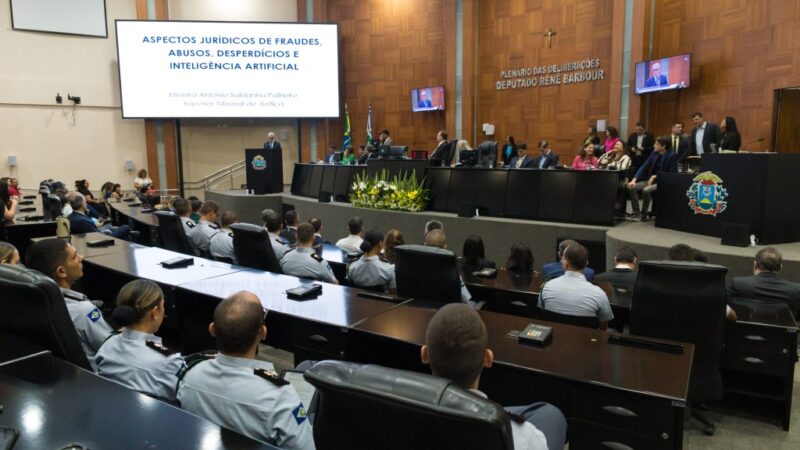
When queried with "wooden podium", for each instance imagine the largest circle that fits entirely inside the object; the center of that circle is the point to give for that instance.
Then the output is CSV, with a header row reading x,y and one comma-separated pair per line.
x,y
264,170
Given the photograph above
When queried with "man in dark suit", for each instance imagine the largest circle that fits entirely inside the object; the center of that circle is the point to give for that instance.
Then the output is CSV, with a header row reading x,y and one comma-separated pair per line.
x,y
424,101
522,160
641,144
623,276
656,78
271,142
546,158
680,142
766,282
661,160
556,269
442,150
703,135
80,222
289,231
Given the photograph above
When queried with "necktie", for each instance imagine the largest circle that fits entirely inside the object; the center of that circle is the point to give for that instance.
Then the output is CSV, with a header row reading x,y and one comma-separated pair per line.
x,y
674,143
519,162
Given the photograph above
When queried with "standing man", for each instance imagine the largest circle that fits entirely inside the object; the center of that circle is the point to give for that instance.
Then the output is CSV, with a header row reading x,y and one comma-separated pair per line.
x,y
546,157
271,142
522,160
384,138
641,143
680,142
656,78
703,135
662,160
440,153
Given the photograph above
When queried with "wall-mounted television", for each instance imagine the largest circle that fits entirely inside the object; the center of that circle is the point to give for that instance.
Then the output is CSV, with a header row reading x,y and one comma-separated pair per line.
x,y
663,74
427,99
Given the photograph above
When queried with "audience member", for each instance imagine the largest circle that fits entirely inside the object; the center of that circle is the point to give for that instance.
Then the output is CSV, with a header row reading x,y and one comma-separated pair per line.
x,y
80,222
700,256
240,392
623,275
116,191
731,140
473,255
106,189
681,252
572,294
273,223
547,157
183,209
196,204
369,271
136,358
556,269
456,348
221,243
436,238
316,222
661,160
432,225
9,201
8,254
766,282
352,243
142,180
13,187
520,260
97,206
201,234
393,238
289,232
60,261
585,159
304,261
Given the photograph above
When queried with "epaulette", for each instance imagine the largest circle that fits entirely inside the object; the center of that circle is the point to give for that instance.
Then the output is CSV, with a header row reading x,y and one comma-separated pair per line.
x,y
190,223
230,234
158,347
193,360
516,417
279,241
316,256
112,334
213,226
271,376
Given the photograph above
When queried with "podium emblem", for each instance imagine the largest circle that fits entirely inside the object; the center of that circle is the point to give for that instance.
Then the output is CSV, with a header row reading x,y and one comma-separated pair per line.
x,y
259,163
706,195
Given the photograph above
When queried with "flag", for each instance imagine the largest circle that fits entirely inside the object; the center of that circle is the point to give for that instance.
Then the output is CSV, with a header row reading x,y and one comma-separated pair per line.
x,y
369,126
347,141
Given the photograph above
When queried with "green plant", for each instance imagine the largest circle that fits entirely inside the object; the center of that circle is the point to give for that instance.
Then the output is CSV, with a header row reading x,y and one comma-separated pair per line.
x,y
403,193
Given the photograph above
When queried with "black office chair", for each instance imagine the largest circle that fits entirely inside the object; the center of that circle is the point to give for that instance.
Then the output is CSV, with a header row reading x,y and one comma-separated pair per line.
x,y
685,302
253,249
172,235
52,208
372,407
32,307
451,152
428,273
581,321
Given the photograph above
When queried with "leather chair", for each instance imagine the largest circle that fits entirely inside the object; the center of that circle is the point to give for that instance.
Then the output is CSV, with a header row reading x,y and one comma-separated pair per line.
x,y
427,273
171,233
32,307
52,207
580,321
364,407
685,302
253,249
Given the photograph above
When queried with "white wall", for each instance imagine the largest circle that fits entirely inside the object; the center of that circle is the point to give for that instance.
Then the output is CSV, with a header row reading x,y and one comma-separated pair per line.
x,y
36,66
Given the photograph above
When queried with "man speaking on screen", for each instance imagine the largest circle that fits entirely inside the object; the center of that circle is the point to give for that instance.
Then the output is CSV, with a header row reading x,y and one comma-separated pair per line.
x,y
657,79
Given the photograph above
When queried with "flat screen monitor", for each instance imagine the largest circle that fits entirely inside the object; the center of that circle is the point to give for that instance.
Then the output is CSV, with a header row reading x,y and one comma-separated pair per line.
x,y
663,74
181,69
393,151
427,99
468,158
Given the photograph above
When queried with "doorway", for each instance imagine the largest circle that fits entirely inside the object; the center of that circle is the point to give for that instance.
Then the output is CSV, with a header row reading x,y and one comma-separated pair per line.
x,y
785,132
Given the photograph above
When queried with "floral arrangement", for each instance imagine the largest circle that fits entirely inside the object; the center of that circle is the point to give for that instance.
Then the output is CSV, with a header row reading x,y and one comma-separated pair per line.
x,y
379,192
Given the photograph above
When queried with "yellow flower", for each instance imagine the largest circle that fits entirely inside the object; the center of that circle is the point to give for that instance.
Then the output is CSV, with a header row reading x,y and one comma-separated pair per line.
x,y
412,194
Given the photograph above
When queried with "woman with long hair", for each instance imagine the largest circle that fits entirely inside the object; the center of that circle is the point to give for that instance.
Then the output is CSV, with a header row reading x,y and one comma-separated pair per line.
x,y
473,255
585,159
731,139
393,238
612,137
520,260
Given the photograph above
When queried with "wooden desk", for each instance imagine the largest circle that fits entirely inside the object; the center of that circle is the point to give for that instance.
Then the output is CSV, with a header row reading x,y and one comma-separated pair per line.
x,y
312,329
578,371
54,403
338,260
507,293
22,231
145,223
79,241
13,348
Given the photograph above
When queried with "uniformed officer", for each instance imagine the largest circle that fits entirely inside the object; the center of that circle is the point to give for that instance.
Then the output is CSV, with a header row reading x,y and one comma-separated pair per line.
x,y
273,224
221,243
304,261
60,261
370,270
135,358
237,391
183,209
201,234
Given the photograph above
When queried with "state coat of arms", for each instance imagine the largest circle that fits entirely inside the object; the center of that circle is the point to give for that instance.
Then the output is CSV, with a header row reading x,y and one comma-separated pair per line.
x,y
706,195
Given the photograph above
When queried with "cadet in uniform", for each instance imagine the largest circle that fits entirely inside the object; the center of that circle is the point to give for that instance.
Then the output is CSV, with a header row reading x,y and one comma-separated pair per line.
x,y
60,261
135,358
221,243
370,270
273,224
201,234
303,261
183,209
237,391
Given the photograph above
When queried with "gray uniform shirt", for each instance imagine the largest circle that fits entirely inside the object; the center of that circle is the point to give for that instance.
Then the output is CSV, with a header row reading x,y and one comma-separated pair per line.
x,y
221,244
201,235
228,392
571,294
188,226
278,245
92,329
525,435
128,359
371,271
304,263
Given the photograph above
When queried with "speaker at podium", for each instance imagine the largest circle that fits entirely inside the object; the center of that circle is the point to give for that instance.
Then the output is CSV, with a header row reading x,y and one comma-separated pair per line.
x,y
264,170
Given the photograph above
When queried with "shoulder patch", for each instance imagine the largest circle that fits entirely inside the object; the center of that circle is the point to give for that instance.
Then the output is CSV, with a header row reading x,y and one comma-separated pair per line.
x,y
94,315
271,376
158,347
230,234
112,334
213,226
299,414
316,256
516,417
192,360
279,241
190,223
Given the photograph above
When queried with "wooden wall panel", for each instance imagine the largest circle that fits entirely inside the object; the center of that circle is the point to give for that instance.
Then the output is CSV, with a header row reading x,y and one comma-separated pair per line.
x,y
742,51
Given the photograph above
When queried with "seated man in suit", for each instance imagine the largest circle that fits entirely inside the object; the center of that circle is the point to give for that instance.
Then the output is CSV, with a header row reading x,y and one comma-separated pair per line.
x,y
363,155
522,160
546,158
661,160
571,294
766,282
80,222
303,261
656,78
456,347
556,269
442,150
623,276
289,232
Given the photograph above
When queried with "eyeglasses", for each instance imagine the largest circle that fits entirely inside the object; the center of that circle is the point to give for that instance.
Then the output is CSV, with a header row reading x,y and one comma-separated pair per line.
x,y
265,313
